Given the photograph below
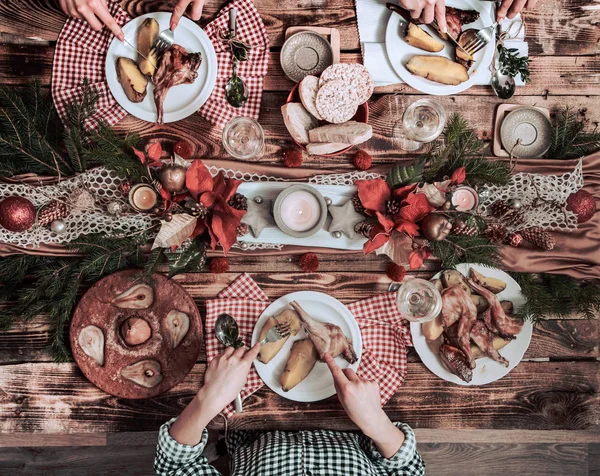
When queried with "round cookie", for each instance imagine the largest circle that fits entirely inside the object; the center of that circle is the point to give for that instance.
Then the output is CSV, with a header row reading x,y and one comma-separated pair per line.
x,y
356,75
337,102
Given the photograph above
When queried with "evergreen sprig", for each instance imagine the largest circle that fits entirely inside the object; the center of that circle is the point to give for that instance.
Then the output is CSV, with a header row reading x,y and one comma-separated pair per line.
x,y
457,249
512,63
569,139
557,296
458,147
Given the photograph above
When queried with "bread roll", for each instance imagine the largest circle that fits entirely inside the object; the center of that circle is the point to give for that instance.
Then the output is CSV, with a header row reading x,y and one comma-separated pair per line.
x,y
308,89
319,148
350,132
298,121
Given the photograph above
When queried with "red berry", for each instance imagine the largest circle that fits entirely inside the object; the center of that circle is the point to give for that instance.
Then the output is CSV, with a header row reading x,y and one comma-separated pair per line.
x,y
395,272
292,158
218,265
183,149
309,262
362,160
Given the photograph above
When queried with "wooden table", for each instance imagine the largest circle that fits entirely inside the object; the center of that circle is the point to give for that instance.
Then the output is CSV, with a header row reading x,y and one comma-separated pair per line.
x,y
543,418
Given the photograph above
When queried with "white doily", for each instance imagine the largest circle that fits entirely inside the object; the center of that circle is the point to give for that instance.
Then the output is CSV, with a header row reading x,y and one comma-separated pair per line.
x,y
543,198
251,246
104,187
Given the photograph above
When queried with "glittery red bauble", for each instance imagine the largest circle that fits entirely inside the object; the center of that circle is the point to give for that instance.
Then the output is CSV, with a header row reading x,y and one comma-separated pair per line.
x,y
582,203
218,265
292,158
395,272
184,149
17,214
309,262
362,160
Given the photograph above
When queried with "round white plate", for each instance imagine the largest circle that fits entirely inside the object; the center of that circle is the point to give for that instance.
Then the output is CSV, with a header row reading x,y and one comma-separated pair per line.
x,y
319,383
182,100
399,51
486,370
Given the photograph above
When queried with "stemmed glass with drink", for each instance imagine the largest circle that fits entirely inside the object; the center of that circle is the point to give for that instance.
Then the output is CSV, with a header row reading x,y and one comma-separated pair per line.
x,y
419,300
422,122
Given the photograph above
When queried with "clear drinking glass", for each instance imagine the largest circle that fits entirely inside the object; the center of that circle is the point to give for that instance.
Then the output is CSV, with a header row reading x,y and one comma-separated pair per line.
x,y
419,300
244,138
422,122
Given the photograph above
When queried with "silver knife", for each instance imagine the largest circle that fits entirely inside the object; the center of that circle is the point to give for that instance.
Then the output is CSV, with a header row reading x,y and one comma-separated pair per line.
x,y
139,53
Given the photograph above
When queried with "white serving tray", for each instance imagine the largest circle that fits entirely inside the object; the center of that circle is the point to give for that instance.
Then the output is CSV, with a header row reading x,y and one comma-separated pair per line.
x,y
339,195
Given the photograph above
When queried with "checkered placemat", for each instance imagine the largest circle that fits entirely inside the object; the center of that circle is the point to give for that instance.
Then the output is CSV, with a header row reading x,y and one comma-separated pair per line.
x,y
385,334
81,53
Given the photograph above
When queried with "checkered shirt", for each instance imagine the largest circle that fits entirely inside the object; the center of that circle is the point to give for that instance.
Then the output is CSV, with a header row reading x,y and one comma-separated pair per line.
x,y
385,334
283,453
81,53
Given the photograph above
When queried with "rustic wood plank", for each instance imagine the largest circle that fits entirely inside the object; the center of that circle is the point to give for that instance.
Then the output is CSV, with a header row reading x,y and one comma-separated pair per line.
x,y
550,75
41,440
426,435
508,459
55,398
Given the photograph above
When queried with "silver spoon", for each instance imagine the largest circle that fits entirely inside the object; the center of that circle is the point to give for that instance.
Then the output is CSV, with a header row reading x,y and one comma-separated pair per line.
x,y
227,332
503,84
236,91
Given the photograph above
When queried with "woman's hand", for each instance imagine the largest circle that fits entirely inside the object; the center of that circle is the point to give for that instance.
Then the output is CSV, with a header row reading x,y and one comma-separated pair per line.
x,y
95,12
426,11
360,398
180,9
225,377
512,7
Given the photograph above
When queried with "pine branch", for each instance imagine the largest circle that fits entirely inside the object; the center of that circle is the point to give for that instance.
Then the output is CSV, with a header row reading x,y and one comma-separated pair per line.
x,y
192,259
457,249
569,138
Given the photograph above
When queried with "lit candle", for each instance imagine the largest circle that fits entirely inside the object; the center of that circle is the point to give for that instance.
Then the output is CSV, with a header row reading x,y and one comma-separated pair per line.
x,y
142,197
300,211
465,199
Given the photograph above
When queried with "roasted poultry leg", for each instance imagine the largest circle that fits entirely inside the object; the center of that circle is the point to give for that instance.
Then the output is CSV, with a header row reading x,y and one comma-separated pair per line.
x,y
328,338
484,339
457,306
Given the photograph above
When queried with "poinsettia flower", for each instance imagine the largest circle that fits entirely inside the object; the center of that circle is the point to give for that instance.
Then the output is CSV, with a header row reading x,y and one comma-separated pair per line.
x,y
459,175
408,227
373,194
402,192
386,222
414,207
198,179
152,159
417,257
377,238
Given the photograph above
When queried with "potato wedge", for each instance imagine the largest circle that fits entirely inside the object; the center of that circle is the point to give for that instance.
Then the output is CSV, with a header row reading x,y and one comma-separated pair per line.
x,y
438,69
451,278
146,35
499,343
419,38
303,358
480,302
131,78
433,329
270,349
493,284
438,284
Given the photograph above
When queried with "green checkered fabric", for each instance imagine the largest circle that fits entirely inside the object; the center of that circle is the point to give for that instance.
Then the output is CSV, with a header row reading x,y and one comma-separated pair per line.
x,y
283,453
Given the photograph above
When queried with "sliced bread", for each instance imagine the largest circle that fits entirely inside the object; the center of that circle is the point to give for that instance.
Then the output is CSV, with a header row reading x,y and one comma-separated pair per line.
x,y
320,148
298,121
308,89
350,132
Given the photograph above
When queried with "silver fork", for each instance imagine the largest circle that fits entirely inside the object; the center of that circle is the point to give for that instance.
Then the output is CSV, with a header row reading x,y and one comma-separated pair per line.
x,y
163,42
277,332
481,38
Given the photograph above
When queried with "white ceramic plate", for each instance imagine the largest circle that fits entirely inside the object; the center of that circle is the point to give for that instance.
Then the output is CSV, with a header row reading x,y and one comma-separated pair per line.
x,y
319,383
399,52
486,370
182,100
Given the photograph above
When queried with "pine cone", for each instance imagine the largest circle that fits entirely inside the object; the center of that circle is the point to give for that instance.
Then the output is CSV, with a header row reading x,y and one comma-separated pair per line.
x,y
392,207
496,232
539,237
461,228
239,202
242,229
499,208
194,208
358,207
514,239
54,210
364,228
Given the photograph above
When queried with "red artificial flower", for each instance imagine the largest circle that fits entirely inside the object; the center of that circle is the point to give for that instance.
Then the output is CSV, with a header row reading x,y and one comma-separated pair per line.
x,y
459,176
218,265
417,257
386,222
155,152
309,262
377,238
198,179
373,194
408,227
414,207
152,159
395,272
402,192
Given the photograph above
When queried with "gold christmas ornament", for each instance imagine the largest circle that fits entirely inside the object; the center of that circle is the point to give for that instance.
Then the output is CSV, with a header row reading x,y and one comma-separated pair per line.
x,y
435,227
172,177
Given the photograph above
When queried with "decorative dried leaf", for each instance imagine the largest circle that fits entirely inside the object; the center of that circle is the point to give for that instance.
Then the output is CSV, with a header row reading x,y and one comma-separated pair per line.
x,y
155,151
176,231
417,257
198,179
377,238
459,175
140,155
397,248
178,160
435,192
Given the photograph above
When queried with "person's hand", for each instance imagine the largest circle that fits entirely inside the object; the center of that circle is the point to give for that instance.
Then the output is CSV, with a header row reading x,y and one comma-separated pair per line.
x,y
426,11
225,377
180,9
95,12
510,8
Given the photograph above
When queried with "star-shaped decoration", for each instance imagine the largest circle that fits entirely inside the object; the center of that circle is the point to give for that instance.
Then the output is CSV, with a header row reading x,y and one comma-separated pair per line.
x,y
258,217
344,219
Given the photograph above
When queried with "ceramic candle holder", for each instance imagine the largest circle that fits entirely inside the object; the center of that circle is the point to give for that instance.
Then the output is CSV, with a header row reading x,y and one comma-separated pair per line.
x,y
142,197
465,199
294,202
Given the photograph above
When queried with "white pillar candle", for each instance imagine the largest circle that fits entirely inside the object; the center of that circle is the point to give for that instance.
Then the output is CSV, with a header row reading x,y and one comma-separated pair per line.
x,y
464,199
143,197
300,211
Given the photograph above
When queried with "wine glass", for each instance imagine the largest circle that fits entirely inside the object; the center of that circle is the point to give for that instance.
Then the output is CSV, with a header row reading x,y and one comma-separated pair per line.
x,y
244,138
422,122
419,300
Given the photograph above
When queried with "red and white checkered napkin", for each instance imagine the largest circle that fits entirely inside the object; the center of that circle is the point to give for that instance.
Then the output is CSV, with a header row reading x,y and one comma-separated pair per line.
x,y
81,53
385,334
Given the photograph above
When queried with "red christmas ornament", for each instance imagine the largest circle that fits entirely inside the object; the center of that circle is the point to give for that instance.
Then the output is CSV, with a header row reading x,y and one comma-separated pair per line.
x,y
183,149
218,265
292,158
309,262
582,203
395,272
17,214
362,160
